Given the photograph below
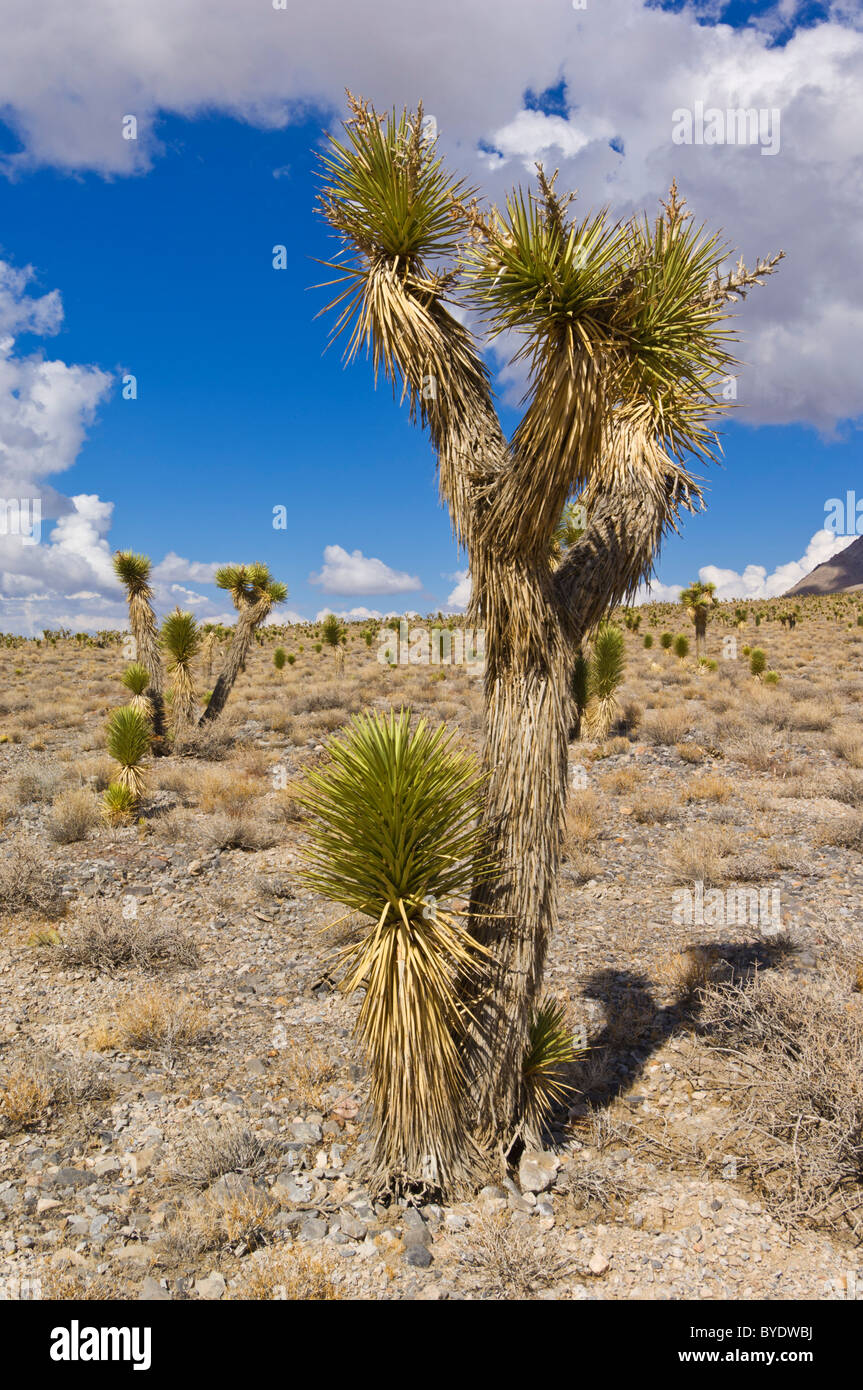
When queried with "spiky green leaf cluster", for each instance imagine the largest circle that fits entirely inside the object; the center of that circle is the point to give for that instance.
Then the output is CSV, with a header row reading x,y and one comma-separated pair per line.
x,y
607,661
129,736
550,1052
394,816
181,638
132,569
136,678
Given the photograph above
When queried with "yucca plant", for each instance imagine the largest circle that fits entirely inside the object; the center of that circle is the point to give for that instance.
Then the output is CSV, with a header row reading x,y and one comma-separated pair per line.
x,y
698,600
279,658
332,635
254,593
681,647
133,571
128,742
394,836
757,661
136,678
118,804
579,681
209,647
666,641
550,1053
181,640
623,330
606,670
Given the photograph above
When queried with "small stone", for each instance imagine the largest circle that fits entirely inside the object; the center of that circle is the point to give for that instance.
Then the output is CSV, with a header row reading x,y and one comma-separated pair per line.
x,y
211,1288
303,1133
152,1291
597,1263
537,1170
418,1256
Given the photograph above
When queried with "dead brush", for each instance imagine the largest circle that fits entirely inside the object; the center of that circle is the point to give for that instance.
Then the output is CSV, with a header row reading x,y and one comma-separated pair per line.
x,y
288,1274
74,814
206,1155
508,1261
582,822
104,940
846,833
798,1119
709,787
28,880
702,854
240,1218
37,1085
665,726
153,1021
654,808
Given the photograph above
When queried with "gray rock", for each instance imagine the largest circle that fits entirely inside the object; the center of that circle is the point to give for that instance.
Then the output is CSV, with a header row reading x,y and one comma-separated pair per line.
x,y
211,1288
152,1291
351,1225
71,1177
418,1256
537,1170
305,1133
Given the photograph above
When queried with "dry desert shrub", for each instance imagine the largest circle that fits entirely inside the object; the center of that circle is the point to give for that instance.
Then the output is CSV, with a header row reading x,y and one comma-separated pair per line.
x,y
665,726
622,780
105,940
207,1154
223,790
709,787
241,830
846,833
701,854
848,745
582,822
154,1021
508,1260
798,1127
37,1085
211,741
239,1216
28,881
812,716
289,1274
73,815
756,750
654,807
38,785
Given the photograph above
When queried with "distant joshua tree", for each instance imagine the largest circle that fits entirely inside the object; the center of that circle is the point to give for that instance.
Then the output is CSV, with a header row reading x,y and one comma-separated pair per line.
x,y
254,592
134,572
698,600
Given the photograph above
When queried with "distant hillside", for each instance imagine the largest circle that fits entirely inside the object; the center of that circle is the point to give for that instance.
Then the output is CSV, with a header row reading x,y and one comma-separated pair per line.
x,y
844,571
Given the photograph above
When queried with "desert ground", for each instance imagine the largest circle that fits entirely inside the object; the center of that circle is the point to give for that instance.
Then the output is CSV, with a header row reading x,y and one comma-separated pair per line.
x,y
181,1101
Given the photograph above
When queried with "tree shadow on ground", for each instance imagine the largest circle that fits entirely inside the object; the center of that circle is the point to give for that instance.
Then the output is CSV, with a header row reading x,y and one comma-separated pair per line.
x,y
636,1026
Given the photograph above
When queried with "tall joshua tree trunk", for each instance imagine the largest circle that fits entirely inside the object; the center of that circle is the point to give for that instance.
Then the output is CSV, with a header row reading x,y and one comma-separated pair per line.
x,y
134,571
250,615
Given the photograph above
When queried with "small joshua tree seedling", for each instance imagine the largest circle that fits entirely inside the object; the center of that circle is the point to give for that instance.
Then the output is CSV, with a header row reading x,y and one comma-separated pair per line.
x,y
681,647
279,658
757,662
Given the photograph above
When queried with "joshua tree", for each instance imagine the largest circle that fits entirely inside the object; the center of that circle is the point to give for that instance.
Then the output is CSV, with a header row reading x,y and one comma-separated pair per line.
x,y
681,647
332,635
622,330
253,591
134,572
605,674
128,742
181,640
279,658
209,647
136,678
698,600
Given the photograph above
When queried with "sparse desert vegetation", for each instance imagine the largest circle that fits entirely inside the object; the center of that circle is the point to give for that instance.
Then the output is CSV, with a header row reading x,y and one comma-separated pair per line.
x,y
175,1041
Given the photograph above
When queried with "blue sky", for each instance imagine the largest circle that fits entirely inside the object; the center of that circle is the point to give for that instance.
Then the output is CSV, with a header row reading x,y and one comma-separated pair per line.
x,y
164,270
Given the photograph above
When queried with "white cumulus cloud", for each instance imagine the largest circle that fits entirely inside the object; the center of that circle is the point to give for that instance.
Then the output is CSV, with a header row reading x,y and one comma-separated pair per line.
x,y
356,573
